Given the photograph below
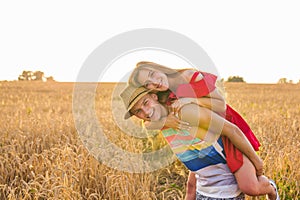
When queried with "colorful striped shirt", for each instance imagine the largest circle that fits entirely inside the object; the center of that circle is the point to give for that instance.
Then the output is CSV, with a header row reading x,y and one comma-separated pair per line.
x,y
194,152
206,160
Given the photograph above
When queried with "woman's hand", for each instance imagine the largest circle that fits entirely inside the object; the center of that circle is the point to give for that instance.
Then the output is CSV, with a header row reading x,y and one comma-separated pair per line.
x,y
177,104
258,164
173,122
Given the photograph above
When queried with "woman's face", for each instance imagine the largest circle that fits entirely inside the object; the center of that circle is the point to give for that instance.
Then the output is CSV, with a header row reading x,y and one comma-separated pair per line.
x,y
152,79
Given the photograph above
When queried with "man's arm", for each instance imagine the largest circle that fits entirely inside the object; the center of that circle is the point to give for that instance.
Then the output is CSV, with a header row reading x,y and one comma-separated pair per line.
x,y
191,187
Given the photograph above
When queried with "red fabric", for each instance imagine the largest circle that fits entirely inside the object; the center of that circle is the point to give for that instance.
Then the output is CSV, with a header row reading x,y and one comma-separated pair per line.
x,y
234,157
203,87
235,118
194,89
197,89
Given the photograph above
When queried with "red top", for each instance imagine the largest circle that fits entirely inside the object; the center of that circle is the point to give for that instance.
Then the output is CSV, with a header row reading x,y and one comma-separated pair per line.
x,y
194,89
203,87
197,88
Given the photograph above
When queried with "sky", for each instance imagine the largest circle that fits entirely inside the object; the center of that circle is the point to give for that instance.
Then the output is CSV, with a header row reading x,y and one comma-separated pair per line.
x,y
257,40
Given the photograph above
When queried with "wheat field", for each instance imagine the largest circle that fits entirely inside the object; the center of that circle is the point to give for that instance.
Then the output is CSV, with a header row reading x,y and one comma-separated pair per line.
x,y
43,157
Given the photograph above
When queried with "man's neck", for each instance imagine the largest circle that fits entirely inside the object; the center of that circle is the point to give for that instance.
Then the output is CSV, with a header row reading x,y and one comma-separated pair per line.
x,y
165,111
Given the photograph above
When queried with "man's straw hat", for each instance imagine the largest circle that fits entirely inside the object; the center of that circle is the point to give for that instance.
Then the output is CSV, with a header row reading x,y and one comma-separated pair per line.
x,y
130,96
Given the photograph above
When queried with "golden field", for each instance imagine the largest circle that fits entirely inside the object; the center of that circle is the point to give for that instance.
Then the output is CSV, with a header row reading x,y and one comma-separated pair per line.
x,y
43,157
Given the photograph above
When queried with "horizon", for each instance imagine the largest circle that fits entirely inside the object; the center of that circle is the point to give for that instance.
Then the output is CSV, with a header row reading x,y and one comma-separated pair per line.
x,y
112,82
106,79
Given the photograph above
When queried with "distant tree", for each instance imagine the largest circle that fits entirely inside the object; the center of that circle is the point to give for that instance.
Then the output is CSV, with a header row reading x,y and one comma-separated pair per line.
x,y
21,78
282,81
34,76
26,76
235,79
50,78
39,76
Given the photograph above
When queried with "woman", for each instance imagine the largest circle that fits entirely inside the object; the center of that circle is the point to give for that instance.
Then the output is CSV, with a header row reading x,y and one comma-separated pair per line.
x,y
200,88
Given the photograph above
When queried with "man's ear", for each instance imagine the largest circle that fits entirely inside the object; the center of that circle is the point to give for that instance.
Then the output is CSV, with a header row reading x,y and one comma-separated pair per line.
x,y
154,96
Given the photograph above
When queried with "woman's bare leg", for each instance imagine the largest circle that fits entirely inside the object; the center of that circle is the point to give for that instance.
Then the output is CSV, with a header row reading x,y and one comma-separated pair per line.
x,y
252,185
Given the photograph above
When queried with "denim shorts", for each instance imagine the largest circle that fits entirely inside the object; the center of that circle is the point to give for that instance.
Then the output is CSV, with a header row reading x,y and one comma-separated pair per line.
x,y
202,197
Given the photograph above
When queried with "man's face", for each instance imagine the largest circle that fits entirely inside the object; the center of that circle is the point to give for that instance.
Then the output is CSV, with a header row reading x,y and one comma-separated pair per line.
x,y
148,108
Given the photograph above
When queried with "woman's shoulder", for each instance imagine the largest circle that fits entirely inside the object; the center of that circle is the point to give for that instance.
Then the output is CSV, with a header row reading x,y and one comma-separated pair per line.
x,y
190,74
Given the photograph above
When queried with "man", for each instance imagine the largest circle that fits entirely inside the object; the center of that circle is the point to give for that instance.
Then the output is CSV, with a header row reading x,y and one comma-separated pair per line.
x,y
213,177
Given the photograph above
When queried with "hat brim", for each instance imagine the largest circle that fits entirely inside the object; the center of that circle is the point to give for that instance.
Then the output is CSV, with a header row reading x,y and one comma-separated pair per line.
x,y
128,113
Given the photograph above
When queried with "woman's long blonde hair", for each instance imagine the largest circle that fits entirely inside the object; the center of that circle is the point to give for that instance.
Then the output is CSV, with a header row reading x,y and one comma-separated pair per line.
x,y
152,66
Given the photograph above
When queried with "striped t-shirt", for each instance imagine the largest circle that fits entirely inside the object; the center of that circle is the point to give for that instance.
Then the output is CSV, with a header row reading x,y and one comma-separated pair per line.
x,y
206,160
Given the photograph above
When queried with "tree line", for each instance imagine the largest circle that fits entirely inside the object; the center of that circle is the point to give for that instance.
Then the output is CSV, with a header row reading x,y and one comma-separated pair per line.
x,y
34,76
241,80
